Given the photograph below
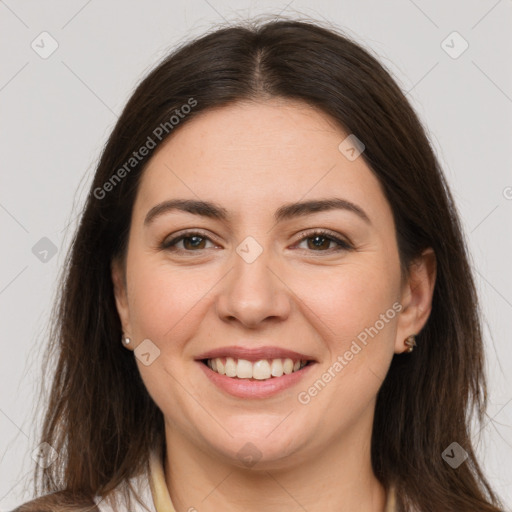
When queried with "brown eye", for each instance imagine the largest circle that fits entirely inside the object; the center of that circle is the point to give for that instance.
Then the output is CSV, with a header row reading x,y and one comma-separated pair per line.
x,y
318,242
191,242
321,241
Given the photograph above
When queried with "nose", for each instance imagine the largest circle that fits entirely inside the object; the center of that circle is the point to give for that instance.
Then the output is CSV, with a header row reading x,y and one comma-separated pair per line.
x,y
253,293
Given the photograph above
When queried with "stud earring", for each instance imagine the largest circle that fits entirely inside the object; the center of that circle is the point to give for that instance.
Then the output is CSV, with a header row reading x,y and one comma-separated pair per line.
x,y
410,341
126,340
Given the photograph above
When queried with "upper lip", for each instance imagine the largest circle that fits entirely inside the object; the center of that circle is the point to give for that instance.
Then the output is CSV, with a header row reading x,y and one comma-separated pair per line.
x,y
254,354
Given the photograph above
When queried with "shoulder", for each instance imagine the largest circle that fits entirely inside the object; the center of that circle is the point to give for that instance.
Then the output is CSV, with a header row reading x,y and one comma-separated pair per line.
x,y
133,494
59,502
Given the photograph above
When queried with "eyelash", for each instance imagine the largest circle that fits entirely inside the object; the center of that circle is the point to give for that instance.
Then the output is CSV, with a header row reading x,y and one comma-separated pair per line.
x,y
342,244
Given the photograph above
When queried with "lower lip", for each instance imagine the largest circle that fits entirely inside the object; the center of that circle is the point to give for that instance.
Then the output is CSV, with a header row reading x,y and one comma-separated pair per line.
x,y
251,388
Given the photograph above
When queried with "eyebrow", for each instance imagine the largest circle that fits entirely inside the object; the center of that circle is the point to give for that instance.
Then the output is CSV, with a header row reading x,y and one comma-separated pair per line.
x,y
285,212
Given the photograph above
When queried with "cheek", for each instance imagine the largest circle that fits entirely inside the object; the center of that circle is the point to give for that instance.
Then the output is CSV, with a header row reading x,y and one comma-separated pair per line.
x,y
356,321
163,301
166,306
347,300
357,313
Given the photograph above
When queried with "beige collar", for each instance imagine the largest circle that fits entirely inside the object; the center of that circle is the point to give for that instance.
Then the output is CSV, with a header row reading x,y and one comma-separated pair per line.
x,y
162,499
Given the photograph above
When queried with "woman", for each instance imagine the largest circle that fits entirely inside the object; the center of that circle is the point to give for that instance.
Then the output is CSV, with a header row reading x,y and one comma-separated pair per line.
x,y
268,303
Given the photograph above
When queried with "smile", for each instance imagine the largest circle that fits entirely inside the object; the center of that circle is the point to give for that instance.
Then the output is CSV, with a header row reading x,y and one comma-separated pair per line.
x,y
262,369
254,373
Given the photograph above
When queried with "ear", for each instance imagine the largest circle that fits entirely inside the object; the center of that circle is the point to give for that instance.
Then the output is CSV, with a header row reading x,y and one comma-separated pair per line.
x,y
120,293
416,297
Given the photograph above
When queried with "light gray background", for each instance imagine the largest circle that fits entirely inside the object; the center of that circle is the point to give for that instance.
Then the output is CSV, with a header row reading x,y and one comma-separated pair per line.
x,y
57,113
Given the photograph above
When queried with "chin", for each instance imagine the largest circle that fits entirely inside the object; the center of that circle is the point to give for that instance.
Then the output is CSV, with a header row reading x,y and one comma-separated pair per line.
x,y
260,449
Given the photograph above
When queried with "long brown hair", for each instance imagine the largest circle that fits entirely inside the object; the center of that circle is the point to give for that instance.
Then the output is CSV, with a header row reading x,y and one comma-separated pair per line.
x,y
100,418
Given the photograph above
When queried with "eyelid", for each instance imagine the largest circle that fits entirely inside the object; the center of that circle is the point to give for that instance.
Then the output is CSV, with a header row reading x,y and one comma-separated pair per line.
x,y
343,242
176,237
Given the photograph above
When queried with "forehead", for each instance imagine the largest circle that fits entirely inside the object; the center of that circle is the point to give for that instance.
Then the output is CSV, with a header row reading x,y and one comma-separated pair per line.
x,y
259,154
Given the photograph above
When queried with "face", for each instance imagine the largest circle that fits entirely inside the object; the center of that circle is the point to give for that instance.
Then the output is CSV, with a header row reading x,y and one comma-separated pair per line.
x,y
270,316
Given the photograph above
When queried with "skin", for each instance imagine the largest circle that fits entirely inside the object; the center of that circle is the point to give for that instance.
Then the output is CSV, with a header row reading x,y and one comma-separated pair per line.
x,y
251,158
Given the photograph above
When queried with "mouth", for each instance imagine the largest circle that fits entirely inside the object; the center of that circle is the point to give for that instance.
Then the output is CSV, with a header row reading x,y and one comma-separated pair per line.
x,y
262,369
254,372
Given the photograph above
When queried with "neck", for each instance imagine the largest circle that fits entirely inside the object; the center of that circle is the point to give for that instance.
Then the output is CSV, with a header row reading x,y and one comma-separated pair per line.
x,y
338,478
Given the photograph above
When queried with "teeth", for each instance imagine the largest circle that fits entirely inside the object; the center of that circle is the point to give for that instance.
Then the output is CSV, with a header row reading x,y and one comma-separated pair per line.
x,y
259,370
244,369
230,367
288,366
276,369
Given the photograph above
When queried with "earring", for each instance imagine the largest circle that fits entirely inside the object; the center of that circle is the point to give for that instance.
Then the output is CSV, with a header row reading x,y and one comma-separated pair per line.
x,y
126,340
410,341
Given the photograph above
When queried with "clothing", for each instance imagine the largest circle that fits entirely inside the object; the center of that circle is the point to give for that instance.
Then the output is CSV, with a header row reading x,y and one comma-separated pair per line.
x,y
150,487
153,492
